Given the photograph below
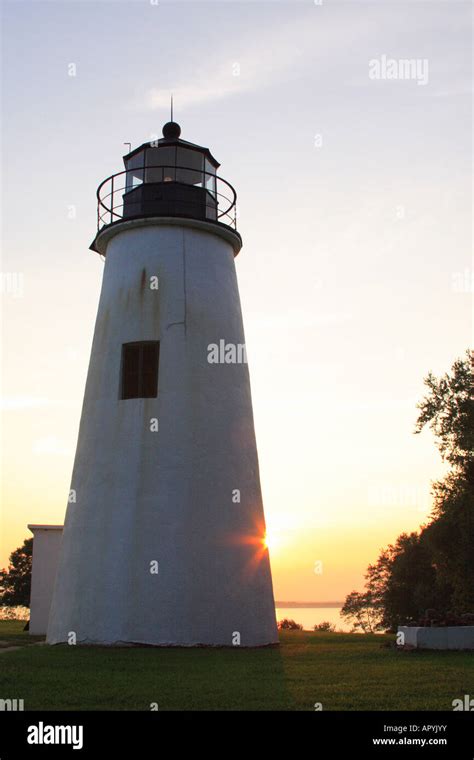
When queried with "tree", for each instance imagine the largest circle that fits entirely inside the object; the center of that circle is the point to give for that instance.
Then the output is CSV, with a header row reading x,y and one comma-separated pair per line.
x,y
360,610
15,583
431,568
448,409
398,587
410,585
450,538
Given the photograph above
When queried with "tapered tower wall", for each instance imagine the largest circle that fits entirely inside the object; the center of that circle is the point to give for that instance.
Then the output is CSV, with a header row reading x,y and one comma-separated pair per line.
x,y
157,548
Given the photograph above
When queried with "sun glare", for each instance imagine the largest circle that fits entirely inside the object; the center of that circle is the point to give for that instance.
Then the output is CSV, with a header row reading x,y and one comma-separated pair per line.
x,y
271,541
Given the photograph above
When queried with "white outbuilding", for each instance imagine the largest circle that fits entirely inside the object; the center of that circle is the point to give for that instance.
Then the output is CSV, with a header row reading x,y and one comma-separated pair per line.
x,y
46,545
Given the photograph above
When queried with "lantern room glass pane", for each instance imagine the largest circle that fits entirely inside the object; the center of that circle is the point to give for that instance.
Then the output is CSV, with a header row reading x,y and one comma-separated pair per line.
x,y
161,164
190,165
210,177
134,166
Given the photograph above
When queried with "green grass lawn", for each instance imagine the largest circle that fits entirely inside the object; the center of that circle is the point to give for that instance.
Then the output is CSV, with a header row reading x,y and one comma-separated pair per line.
x,y
13,635
342,671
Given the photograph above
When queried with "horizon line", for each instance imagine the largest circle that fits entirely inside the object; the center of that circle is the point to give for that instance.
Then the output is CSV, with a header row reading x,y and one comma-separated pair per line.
x,y
331,603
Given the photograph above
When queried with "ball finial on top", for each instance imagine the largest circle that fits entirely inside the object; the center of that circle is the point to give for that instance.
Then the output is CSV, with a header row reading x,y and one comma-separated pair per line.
x,y
171,130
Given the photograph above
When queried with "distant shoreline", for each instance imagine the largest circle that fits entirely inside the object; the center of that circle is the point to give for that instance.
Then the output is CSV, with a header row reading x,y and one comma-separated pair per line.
x,y
309,604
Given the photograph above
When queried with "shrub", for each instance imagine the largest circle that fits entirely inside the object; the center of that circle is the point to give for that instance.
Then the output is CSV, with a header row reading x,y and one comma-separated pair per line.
x,y
14,613
289,625
325,626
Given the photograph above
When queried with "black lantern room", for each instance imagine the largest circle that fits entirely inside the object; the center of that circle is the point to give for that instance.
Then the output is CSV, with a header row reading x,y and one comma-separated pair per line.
x,y
170,177
166,178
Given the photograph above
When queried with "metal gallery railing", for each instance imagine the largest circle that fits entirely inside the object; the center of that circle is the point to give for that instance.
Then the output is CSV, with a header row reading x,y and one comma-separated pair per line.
x,y
115,195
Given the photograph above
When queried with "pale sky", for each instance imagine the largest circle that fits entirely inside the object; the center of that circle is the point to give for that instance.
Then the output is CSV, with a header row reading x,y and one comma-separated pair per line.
x,y
355,276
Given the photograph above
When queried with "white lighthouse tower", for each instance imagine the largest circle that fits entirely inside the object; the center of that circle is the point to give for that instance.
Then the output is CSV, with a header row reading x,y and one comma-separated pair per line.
x,y
164,538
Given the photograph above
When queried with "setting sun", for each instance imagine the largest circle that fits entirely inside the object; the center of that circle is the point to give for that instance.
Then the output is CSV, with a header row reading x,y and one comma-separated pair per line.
x,y
272,541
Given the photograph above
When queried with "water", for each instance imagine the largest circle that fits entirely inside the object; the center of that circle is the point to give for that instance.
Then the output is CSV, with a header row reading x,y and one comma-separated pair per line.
x,y
310,616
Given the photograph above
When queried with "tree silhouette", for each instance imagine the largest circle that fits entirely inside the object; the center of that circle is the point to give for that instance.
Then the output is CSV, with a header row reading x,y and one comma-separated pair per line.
x,y
431,568
15,582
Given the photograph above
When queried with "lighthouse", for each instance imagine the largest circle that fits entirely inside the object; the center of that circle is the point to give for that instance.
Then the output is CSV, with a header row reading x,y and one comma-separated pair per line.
x,y
164,536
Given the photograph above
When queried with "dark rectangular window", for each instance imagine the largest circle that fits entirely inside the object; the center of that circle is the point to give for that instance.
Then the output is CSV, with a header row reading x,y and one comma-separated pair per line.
x,y
140,369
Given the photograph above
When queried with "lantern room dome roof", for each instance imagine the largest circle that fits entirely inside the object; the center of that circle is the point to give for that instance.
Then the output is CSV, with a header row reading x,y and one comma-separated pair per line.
x,y
171,136
171,130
